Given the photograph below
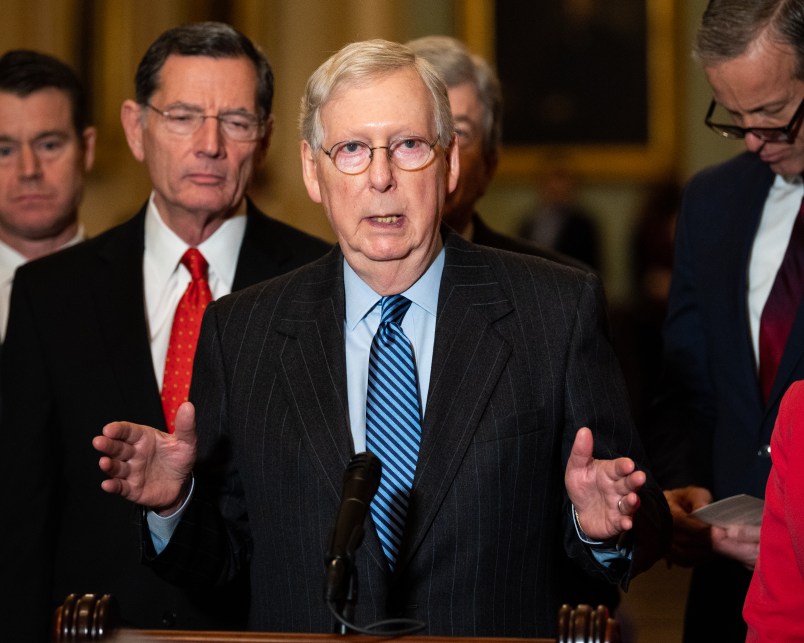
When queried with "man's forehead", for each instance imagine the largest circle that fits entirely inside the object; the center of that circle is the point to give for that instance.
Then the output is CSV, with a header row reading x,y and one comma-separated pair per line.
x,y
44,96
45,109
230,74
399,96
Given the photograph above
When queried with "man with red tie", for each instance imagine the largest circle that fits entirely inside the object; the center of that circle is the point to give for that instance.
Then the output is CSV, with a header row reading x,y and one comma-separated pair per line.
x,y
98,332
734,335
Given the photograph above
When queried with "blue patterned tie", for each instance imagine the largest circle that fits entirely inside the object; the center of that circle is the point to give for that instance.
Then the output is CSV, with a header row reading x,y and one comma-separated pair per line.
x,y
393,422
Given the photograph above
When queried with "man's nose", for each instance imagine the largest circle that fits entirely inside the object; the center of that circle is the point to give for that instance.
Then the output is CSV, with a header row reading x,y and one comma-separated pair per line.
x,y
381,172
29,164
753,143
209,137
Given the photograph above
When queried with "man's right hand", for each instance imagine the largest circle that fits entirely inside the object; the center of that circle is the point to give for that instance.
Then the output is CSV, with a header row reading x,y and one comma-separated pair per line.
x,y
147,466
692,539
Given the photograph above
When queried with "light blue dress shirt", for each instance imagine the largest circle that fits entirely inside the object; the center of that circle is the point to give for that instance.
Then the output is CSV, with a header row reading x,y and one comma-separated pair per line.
x,y
362,320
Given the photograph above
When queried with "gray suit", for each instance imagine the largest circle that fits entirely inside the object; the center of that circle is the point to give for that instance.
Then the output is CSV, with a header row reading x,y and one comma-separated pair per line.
x,y
520,362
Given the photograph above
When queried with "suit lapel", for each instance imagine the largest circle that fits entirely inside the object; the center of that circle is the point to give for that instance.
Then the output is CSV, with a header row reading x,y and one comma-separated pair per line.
x,y
730,280
469,357
120,305
313,360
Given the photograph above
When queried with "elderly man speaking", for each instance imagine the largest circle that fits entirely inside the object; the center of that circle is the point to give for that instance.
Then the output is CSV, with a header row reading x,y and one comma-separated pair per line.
x,y
500,363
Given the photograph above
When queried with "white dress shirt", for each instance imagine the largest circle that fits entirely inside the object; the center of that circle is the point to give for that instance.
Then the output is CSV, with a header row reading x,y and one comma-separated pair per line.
x,y
770,242
166,279
10,260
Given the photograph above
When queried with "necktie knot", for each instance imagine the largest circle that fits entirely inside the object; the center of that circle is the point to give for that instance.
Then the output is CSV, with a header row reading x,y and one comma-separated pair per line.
x,y
194,261
394,309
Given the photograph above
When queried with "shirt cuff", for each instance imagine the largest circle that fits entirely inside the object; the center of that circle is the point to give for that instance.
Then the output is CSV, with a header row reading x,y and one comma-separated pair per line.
x,y
604,551
161,528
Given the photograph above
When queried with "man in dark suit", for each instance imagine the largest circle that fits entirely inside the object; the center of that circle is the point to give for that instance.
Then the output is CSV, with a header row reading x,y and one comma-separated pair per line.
x,y
46,148
89,327
476,102
511,360
709,435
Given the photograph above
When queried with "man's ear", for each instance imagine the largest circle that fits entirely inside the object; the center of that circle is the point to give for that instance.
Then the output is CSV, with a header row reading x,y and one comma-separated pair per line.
x,y
454,165
265,141
131,118
310,172
88,138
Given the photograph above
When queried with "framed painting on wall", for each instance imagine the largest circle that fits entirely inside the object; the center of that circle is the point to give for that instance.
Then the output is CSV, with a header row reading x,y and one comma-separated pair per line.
x,y
589,83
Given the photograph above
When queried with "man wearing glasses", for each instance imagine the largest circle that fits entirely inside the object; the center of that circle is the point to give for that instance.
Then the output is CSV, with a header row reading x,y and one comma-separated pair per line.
x,y
96,333
467,370
734,335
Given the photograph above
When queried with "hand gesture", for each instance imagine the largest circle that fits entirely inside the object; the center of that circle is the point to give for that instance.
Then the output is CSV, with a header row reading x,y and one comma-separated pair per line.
x,y
602,491
147,466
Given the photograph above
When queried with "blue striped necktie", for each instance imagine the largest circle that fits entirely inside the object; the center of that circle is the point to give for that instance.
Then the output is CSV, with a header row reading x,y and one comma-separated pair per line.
x,y
393,422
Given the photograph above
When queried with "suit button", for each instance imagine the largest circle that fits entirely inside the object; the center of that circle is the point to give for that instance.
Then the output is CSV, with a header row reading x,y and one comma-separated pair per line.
x,y
169,619
764,451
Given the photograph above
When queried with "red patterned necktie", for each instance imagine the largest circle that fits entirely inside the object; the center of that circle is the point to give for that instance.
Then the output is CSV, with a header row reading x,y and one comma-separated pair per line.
x,y
780,309
184,336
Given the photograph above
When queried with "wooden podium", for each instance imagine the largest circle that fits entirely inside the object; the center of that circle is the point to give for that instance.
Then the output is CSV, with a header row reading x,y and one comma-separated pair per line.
x,y
93,618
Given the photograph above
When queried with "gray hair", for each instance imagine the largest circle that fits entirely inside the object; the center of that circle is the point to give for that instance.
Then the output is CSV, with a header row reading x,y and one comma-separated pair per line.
x,y
360,62
728,28
456,65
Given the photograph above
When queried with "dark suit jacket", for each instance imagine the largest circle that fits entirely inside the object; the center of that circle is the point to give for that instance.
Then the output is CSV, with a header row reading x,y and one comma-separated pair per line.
x,y
576,587
486,236
520,363
76,357
709,426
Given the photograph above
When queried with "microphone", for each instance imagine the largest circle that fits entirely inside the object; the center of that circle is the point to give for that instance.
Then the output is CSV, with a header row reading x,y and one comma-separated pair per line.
x,y
360,482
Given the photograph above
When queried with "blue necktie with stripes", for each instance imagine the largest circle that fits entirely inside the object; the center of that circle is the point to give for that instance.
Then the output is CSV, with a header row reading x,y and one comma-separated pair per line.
x,y
393,422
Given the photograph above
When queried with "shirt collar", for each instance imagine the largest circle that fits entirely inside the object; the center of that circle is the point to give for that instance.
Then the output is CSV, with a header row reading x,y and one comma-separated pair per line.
x,y
166,248
360,298
10,259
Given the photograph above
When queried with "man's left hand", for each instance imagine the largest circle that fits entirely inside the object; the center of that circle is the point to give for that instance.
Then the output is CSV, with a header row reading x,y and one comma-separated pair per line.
x,y
602,491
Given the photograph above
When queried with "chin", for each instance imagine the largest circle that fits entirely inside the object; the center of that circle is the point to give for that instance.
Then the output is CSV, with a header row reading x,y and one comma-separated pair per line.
x,y
787,170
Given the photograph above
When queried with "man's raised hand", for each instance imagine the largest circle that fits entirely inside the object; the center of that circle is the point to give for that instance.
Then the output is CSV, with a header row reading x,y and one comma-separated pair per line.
x,y
147,466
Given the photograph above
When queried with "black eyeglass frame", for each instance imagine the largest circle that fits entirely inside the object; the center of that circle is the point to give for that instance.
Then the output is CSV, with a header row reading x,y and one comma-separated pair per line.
x,y
785,134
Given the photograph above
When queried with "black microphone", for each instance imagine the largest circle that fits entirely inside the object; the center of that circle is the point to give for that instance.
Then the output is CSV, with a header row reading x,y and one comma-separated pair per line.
x,y
360,482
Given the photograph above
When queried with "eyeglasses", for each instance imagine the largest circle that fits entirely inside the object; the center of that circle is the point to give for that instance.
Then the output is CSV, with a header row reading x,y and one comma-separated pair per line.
x,y
236,127
353,157
786,134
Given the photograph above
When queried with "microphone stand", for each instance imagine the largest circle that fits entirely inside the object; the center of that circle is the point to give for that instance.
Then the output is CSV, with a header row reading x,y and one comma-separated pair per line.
x,y
342,589
360,482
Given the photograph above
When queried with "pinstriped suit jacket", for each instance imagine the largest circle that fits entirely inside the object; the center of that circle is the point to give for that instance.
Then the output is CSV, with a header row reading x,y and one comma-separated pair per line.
x,y
520,362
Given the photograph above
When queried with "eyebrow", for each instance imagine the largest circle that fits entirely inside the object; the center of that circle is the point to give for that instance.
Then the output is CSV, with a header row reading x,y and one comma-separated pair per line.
x,y
462,118
769,107
200,110
5,138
